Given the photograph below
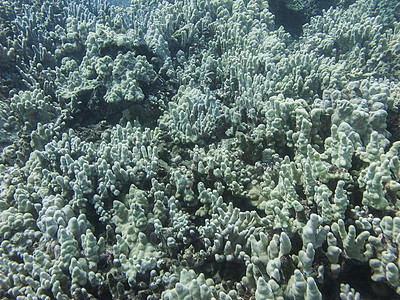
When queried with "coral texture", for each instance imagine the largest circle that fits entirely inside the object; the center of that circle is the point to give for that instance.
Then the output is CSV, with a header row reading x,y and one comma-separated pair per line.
x,y
198,150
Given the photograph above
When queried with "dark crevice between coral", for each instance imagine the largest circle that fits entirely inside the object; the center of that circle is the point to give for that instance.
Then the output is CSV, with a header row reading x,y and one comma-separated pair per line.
x,y
22,147
241,202
215,137
117,285
393,124
358,276
10,80
113,50
104,293
330,287
293,14
297,243
101,292
251,149
325,130
332,184
355,196
225,272
229,273
91,109
287,17
174,46
141,288
93,218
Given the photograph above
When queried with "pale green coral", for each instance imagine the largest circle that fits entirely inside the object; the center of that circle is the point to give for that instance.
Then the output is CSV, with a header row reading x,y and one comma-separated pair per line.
x,y
203,140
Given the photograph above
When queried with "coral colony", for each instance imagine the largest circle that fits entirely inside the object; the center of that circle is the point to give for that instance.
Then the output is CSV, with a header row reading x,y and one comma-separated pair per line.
x,y
199,149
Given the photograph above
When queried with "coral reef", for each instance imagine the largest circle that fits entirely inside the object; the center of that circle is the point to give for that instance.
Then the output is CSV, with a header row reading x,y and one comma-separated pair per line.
x,y
197,150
